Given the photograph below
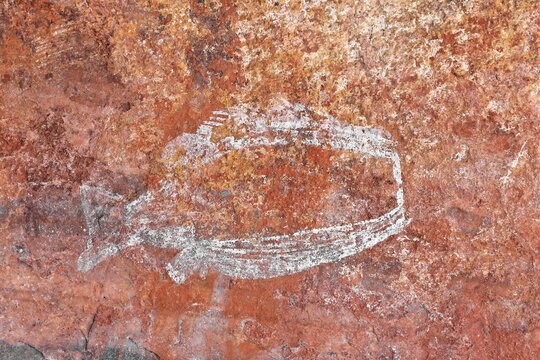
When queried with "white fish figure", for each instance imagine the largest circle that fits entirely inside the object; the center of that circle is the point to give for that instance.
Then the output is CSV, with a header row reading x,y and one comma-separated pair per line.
x,y
147,219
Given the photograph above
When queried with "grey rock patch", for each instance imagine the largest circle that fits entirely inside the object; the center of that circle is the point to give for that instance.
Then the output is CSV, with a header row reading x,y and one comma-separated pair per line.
x,y
19,352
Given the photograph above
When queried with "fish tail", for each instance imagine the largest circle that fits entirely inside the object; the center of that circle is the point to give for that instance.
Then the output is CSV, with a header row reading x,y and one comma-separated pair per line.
x,y
104,216
95,254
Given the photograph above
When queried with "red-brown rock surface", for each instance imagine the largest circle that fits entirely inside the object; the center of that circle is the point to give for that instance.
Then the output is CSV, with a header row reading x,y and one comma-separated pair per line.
x,y
92,91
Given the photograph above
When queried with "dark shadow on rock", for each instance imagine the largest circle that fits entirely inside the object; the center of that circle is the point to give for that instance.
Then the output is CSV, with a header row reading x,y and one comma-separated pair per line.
x,y
130,352
19,352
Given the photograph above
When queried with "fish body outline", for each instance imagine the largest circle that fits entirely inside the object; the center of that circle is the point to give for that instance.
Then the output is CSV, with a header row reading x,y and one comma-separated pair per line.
x,y
256,256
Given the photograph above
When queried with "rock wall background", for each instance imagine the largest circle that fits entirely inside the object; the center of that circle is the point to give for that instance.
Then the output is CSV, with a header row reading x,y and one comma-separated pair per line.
x,y
91,91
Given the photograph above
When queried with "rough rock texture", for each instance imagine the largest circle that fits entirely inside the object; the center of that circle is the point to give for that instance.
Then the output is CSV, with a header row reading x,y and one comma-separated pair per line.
x,y
91,91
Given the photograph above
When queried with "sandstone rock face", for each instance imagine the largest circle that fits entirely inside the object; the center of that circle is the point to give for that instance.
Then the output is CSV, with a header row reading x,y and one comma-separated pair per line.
x,y
177,179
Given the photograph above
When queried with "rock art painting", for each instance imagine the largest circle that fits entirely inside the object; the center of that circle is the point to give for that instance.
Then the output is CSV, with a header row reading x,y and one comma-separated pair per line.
x,y
256,256
269,180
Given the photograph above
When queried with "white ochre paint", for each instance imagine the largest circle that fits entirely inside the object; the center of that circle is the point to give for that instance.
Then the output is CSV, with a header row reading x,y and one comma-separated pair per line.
x,y
254,256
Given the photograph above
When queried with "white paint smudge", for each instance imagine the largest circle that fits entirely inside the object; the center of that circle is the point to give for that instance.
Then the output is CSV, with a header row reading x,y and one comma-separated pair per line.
x,y
505,179
255,256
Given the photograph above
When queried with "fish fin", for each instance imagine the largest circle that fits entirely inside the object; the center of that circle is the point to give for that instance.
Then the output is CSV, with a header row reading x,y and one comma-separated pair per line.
x,y
185,264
